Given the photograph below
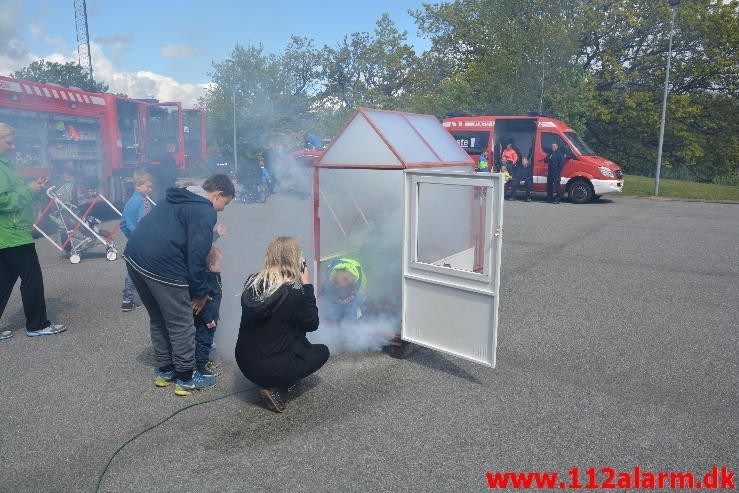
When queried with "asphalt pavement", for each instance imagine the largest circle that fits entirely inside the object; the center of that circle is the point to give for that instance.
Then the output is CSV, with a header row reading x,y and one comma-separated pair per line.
x,y
617,348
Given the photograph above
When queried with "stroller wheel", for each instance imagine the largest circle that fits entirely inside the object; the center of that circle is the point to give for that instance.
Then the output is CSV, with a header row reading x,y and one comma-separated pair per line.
x,y
111,254
75,258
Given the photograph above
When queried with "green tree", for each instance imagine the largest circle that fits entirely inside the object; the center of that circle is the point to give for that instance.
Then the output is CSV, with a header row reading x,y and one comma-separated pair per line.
x,y
272,95
598,65
369,70
500,56
624,50
66,74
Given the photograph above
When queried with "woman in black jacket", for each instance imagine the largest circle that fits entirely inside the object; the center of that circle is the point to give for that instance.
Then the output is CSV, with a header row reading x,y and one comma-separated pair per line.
x,y
278,308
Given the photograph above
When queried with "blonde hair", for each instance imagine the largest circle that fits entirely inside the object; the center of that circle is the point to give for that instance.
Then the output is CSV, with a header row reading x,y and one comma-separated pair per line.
x,y
6,129
281,266
141,177
213,256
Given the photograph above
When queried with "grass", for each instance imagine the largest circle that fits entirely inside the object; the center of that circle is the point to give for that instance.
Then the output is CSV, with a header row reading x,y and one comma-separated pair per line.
x,y
643,186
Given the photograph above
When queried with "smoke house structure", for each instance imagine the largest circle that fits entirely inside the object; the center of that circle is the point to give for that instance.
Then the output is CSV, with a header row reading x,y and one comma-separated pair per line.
x,y
395,192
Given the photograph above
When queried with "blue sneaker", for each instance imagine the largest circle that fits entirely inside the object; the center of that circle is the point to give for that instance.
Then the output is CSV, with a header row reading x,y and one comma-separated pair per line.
x,y
165,378
53,328
197,383
6,334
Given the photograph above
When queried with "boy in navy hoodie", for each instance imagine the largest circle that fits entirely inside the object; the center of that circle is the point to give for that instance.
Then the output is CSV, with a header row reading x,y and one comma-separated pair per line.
x,y
207,320
165,257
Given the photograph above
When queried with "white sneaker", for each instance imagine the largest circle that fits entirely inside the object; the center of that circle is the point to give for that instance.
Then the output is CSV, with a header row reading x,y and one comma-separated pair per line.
x,y
6,334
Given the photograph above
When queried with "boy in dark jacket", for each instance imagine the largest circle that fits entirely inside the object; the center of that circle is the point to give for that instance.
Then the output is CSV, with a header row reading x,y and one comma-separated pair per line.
x,y
207,320
165,257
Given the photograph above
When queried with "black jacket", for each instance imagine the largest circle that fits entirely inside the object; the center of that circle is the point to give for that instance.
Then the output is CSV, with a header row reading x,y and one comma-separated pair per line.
x,y
271,331
169,244
521,173
555,160
210,311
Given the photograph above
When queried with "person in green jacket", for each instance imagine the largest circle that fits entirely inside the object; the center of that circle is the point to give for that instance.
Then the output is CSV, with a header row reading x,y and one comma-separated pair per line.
x,y
17,248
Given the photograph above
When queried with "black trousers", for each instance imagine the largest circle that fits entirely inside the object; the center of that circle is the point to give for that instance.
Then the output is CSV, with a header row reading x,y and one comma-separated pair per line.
x,y
305,359
22,261
554,185
516,184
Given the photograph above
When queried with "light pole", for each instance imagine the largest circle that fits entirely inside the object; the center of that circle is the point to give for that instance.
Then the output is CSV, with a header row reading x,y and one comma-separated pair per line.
x,y
233,104
673,4
236,155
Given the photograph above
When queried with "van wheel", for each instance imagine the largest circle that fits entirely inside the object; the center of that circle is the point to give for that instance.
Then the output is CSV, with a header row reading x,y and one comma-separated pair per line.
x,y
581,191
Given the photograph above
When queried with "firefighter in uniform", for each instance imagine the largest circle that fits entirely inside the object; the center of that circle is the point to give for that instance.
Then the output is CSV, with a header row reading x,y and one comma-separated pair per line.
x,y
555,161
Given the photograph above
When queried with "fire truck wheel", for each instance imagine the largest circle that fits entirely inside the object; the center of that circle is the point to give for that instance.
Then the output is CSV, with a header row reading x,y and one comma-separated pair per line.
x,y
580,191
75,258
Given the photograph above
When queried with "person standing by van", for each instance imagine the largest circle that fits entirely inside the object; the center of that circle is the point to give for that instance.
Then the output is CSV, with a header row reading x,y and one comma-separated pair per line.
x,y
555,162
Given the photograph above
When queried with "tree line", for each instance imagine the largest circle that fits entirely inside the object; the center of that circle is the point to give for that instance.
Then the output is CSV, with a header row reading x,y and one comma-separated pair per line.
x,y
598,65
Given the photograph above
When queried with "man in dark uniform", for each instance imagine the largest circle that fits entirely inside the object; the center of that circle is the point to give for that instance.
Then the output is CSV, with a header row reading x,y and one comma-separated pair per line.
x,y
555,161
522,177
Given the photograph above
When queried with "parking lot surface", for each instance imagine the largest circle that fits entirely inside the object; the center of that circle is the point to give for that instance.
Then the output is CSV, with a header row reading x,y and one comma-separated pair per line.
x,y
617,348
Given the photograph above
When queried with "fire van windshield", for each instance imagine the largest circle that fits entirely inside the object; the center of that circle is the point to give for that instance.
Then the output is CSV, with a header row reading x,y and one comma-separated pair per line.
x,y
579,144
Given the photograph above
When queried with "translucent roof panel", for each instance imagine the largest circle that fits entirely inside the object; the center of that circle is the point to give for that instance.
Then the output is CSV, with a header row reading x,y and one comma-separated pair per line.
x,y
391,139
442,141
358,144
402,137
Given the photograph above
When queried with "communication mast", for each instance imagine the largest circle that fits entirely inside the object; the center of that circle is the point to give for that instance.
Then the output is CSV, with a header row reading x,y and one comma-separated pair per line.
x,y
83,37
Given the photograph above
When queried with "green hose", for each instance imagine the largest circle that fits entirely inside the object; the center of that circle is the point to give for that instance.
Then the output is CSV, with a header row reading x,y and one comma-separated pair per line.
x,y
105,469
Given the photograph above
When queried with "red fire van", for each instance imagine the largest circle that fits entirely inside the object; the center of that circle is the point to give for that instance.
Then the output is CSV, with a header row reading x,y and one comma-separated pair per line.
x,y
585,176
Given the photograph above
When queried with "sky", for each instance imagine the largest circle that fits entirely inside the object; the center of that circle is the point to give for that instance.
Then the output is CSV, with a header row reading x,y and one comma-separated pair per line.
x,y
164,48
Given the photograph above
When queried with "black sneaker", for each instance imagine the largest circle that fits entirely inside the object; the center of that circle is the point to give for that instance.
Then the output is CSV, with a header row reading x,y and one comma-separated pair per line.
x,y
274,400
127,306
209,370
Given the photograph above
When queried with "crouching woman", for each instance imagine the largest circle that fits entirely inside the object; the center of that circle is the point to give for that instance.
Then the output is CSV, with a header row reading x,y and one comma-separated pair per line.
x,y
278,307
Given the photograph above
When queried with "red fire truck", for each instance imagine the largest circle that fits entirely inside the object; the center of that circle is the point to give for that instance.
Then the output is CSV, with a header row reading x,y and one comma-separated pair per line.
x,y
585,176
97,139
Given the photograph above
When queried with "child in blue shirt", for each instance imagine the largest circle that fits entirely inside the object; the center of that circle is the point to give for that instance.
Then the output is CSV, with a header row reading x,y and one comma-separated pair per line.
x,y
137,206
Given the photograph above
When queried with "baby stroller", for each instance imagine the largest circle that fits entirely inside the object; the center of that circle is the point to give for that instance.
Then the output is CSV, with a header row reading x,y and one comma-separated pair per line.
x,y
76,232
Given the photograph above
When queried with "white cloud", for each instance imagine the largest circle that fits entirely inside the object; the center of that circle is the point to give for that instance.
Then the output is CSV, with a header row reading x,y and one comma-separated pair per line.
x,y
14,54
178,51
